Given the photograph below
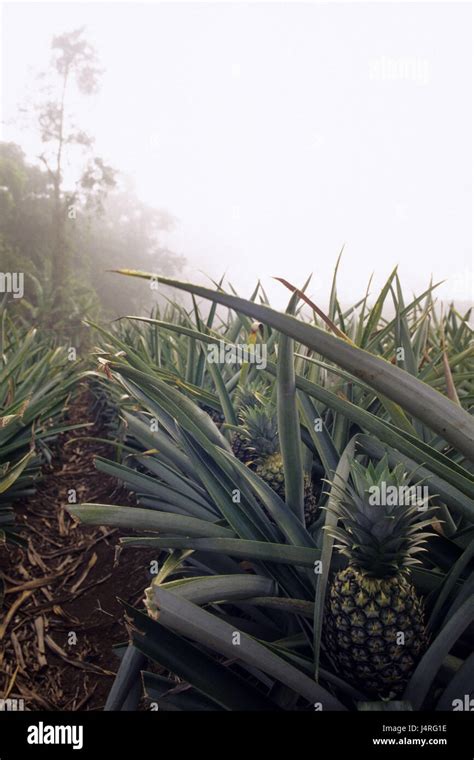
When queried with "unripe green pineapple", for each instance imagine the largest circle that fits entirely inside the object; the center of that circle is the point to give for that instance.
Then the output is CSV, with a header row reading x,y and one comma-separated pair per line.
x,y
374,627
245,398
258,446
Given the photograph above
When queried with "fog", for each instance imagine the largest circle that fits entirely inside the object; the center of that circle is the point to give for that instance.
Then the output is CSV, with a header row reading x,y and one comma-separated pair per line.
x,y
274,134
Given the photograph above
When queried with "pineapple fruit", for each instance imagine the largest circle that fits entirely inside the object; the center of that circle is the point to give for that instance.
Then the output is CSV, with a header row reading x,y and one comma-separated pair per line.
x,y
373,627
245,399
256,444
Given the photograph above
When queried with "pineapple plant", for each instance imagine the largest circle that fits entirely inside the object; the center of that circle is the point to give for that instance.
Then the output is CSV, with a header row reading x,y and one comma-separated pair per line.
x,y
257,444
357,614
30,410
374,629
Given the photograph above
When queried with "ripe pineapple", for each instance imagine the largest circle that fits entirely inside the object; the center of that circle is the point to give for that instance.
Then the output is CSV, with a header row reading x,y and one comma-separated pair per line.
x,y
258,446
372,602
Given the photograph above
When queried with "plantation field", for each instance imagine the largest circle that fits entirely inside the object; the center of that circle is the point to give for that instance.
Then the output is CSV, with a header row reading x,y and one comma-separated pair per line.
x,y
224,506
236,379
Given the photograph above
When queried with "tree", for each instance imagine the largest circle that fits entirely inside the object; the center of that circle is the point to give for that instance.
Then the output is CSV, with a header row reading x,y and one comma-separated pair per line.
x,y
126,233
65,255
74,63
129,233
25,210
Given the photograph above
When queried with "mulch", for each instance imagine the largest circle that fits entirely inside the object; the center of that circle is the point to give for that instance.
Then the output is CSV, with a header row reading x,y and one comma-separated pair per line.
x,y
62,616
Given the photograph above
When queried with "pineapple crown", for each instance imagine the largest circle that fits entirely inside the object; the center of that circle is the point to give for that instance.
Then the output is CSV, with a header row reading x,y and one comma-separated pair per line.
x,y
260,428
246,397
379,513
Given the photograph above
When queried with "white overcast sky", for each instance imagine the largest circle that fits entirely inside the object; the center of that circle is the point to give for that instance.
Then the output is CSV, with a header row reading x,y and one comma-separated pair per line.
x,y
276,133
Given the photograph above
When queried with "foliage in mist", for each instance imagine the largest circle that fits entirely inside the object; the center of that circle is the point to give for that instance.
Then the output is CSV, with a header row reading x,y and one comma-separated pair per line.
x,y
63,231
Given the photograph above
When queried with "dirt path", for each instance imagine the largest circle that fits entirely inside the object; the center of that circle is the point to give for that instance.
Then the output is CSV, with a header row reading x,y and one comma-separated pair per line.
x,y
61,616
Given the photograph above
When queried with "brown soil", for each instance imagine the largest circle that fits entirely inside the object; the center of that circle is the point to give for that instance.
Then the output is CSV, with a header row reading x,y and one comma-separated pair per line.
x,y
67,581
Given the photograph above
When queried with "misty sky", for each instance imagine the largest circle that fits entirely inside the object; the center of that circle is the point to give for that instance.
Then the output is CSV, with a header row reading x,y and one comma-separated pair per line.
x,y
276,133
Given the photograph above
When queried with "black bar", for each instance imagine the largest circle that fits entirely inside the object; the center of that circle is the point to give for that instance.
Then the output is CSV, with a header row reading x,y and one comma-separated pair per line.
x,y
369,734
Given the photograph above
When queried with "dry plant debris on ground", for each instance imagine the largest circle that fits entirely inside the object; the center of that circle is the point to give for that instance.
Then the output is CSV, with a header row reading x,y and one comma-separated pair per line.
x,y
61,614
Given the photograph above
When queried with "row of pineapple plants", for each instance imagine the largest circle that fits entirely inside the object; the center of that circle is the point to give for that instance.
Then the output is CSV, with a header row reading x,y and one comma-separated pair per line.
x,y
36,382
281,585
